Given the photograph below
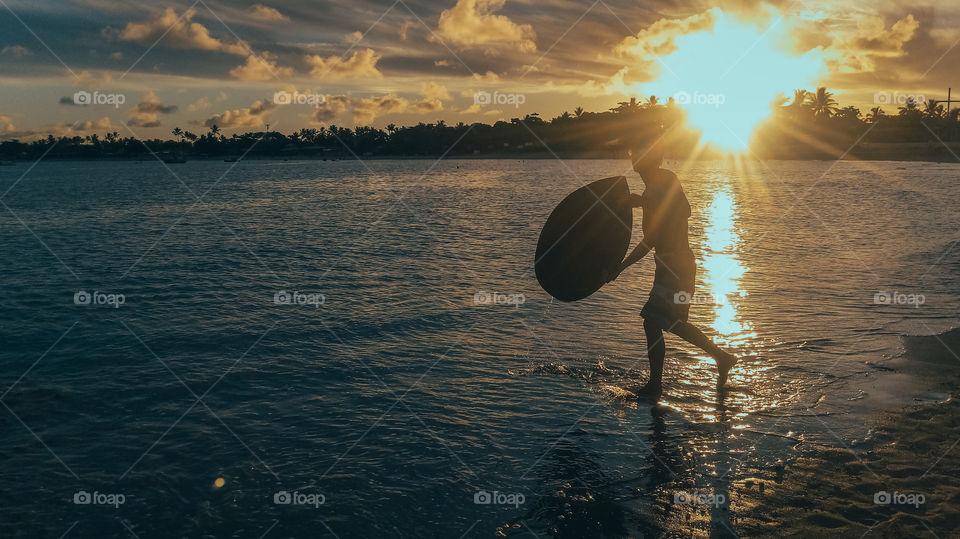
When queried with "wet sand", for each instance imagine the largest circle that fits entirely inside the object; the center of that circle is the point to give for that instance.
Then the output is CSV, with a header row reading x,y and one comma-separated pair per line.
x,y
834,492
829,492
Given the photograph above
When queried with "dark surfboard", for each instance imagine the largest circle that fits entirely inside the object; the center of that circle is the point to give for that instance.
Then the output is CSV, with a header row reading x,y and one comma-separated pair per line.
x,y
586,236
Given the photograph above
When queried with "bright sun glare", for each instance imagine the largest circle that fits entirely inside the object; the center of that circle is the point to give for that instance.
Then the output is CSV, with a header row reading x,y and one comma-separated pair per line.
x,y
726,78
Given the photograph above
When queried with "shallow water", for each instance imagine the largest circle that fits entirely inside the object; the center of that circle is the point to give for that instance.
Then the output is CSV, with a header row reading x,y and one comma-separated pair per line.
x,y
400,397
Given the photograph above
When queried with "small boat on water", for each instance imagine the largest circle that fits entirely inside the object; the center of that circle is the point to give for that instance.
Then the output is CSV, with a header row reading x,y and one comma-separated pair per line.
x,y
231,160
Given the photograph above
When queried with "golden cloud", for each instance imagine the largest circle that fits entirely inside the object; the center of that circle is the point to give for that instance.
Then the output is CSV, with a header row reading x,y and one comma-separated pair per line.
x,y
89,125
658,38
147,112
89,79
855,48
260,68
251,116
201,104
266,13
6,124
473,24
362,64
179,32
366,110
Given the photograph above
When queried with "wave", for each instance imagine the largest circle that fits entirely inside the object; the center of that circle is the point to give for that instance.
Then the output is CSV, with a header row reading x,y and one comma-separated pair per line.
x,y
940,349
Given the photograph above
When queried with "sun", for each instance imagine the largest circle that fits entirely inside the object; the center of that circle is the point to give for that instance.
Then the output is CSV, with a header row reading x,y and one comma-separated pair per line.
x,y
726,78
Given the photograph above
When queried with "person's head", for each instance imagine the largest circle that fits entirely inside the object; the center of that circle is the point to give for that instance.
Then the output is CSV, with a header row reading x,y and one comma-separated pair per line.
x,y
647,155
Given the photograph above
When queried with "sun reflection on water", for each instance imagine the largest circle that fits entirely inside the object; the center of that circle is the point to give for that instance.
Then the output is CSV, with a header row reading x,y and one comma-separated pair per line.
x,y
723,270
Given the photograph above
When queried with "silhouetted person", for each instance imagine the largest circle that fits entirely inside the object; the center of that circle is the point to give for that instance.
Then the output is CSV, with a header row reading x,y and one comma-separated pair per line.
x,y
665,214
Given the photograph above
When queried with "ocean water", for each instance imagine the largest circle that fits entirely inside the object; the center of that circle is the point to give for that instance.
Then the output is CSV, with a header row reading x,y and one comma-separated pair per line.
x,y
152,365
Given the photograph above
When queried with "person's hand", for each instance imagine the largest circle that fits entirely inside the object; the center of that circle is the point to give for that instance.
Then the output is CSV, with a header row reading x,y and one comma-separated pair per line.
x,y
612,274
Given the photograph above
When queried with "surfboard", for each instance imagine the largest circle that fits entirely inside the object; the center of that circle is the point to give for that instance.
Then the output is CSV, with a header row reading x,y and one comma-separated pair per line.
x,y
584,237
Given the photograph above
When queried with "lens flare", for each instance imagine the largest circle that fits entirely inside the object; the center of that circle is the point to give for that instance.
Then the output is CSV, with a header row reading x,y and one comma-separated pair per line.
x,y
727,77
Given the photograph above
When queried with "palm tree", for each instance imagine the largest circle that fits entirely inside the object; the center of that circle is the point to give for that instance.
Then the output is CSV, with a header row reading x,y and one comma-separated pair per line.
x,y
823,104
628,107
778,103
177,132
876,113
652,102
214,131
909,108
932,109
799,103
578,112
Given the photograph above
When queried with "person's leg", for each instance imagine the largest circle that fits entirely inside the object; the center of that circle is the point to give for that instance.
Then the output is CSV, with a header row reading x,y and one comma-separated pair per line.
x,y
693,335
656,350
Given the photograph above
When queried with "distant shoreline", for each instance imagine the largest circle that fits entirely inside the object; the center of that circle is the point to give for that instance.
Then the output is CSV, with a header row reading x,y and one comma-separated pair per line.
x,y
935,152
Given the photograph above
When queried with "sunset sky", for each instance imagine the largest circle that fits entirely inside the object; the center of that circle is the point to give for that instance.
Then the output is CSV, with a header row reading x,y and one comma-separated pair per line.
x,y
194,64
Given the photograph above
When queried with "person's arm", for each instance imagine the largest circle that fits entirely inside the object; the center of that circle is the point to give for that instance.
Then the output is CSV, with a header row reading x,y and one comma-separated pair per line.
x,y
647,243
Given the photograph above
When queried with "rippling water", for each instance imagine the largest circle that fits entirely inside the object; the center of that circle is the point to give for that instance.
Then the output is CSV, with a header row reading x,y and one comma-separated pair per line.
x,y
399,398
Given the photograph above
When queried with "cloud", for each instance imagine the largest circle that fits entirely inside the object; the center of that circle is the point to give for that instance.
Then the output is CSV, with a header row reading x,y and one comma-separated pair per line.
x,y
366,110
178,32
489,76
874,39
441,63
201,104
856,47
6,124
353,37
266,13
90,125
658,38
17,51
251,116
147,112
405,27
260,68
472,24
433,96
432,90
87,79
332,106
362,64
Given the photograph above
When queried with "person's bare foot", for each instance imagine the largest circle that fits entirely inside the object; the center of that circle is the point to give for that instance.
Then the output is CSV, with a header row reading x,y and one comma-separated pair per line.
x,y
724,364
651,392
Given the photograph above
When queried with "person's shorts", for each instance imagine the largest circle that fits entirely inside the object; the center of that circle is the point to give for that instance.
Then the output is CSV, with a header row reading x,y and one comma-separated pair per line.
x,y
673,287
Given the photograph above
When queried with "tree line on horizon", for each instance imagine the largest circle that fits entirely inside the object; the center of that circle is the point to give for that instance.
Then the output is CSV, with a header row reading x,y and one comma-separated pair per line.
x,y
808,124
